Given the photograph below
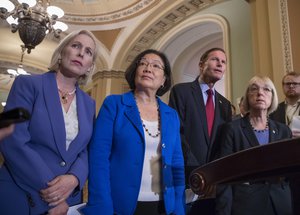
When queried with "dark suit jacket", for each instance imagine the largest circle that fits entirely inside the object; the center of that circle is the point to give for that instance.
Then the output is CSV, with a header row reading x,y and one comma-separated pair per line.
x,y
36,152
279,113
244,199
187,99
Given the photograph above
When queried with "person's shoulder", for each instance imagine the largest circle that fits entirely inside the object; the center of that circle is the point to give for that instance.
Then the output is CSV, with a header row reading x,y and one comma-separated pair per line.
x,y
233,123
87,97
113,97
182,85
278,124
118,98
31,77
166,107
223,98
28,80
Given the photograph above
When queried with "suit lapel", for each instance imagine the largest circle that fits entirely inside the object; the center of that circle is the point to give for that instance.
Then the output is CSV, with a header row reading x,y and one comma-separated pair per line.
x,y
199,102
132,113
164,116
54,110
273,132
217,119
248,132
281,110
84,122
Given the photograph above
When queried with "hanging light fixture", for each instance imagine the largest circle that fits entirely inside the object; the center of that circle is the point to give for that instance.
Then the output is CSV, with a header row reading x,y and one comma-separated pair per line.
x,y
20,70
33,20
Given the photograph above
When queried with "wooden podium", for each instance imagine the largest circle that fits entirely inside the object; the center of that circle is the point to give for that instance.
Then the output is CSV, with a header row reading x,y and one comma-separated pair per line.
x,y
275,159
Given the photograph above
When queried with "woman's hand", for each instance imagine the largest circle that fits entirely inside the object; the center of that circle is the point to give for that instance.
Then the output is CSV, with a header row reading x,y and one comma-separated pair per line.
x,y
59,189
60,209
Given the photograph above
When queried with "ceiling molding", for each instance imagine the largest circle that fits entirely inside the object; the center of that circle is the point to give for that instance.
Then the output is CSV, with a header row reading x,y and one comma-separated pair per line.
x,y
128,12
158,27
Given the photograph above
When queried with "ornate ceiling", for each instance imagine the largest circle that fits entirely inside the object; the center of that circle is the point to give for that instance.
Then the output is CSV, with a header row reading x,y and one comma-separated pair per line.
x,y
123,27
94,12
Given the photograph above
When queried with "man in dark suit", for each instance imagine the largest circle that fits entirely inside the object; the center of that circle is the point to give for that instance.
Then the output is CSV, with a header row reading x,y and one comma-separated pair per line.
x,y
290,107
287,111
190,99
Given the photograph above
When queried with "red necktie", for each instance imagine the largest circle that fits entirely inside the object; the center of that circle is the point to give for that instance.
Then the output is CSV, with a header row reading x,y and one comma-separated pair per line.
x,y
210,110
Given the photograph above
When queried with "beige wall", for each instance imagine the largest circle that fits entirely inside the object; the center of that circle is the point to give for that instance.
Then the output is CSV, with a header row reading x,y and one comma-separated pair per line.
x,y
275,34
238,15
294,18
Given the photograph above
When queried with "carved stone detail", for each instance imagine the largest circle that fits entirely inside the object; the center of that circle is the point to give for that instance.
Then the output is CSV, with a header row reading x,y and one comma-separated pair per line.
x,y
168,21
285,31
126,13
108,74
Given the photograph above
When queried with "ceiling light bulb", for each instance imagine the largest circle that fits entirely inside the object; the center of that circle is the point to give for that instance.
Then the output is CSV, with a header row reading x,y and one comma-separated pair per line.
x,y
30,3
21,71
11,20
12,72
60,26
53,10
9,6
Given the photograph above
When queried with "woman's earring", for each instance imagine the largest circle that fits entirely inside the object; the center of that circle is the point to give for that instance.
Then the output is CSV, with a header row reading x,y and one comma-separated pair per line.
x,y
59,61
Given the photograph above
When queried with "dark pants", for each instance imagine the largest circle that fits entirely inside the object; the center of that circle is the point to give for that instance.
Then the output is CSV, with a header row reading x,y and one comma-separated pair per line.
x,y
150,208
202,207
295,189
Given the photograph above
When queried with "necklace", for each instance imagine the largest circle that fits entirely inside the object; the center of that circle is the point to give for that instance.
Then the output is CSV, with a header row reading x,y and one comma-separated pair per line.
x,y
260,130
145,127
158,127
64,96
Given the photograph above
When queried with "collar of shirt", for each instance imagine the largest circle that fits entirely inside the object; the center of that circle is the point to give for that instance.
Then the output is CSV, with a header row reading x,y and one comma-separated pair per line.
x,y
294,105
204,87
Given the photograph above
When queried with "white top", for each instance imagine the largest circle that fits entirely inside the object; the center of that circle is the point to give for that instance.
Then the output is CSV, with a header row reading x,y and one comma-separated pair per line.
x,y
71,123
291,112
151,186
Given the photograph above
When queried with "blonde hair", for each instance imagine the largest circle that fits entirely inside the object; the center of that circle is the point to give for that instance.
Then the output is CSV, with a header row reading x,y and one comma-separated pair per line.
x,y
56,56
269,83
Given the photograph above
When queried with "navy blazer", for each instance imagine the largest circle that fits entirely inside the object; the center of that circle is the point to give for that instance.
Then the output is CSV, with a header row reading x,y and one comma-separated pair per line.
x,y
188,100
257,198
116,157
36,152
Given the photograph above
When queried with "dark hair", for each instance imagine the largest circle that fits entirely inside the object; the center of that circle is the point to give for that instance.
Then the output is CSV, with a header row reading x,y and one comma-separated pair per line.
x,y
205,55
131,71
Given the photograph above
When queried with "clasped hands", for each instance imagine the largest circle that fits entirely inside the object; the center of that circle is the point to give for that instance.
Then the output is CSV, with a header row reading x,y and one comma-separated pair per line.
x,y
58,190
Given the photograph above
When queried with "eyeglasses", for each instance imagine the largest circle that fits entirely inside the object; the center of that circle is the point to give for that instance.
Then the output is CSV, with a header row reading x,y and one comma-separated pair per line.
x,y
255,89
155,65
291,84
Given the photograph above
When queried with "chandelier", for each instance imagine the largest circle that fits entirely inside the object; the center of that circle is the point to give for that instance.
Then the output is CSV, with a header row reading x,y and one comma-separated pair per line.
x,y
32,19
20,70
